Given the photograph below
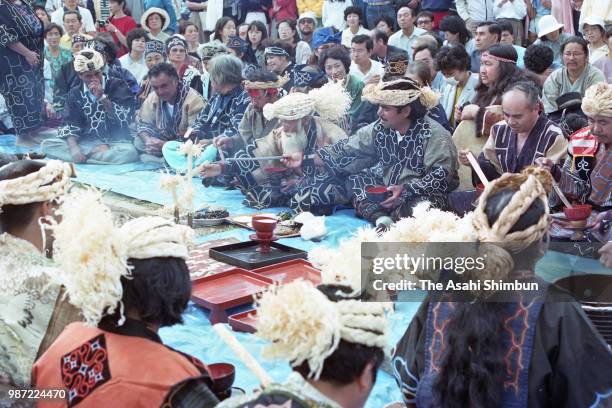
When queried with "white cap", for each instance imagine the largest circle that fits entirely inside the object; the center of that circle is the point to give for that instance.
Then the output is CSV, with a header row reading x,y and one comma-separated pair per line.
x,y
594,20
308,14
548,24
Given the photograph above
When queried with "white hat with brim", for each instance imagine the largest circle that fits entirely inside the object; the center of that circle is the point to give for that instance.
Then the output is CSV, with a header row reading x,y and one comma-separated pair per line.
x,y
308,14
155,10
593,21
548,24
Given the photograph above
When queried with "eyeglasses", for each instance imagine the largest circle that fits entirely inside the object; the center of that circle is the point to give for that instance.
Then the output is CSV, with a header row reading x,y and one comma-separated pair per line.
x,y
573,54
420,22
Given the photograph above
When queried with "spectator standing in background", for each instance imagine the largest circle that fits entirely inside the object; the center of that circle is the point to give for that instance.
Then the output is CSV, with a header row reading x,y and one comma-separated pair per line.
x,y
374,9
487,34
333,13
474,12
134,60
425,20
21,65
118,24
455,31
538,61
536,9
282,10
155,21
88,24
316,6
255,10
507,37
408,33
512,12
287,31
385,24
363,67
550,33
306,25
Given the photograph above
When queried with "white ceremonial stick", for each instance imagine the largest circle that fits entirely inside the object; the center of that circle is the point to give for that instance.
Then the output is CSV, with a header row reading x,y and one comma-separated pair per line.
x,y
254,158
188,133
242,354
477,169
221,154
561,195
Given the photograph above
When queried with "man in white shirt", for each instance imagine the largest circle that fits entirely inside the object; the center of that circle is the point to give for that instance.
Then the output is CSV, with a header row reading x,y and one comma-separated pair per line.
x,y
363,67
474,12
407,33
513,12
88,24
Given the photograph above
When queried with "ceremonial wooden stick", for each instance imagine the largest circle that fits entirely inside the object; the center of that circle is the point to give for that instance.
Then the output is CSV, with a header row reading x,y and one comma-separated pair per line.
x,y
477,169
561,195
254,158
242,354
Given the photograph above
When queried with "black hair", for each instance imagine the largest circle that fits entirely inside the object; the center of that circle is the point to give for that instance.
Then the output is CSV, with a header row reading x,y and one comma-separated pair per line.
x,y
379,35
118,1
262,75
453,57
220,24
110,48
529,88
14,216
159,289
186,24
576,40
261,28
363,39
161,17
538,58
353,10
76,13
609,33
339,53
52,26
163,68
39,7
293,25
575,121
403,4
425,14
456,25
135,34
349,360
472,368
492,28
271,42
387,20
432,50
505,26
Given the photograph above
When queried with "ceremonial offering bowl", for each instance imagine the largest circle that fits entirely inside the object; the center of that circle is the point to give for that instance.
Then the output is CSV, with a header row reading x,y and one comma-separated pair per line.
x,y
222,375
264,229
578,212
378,194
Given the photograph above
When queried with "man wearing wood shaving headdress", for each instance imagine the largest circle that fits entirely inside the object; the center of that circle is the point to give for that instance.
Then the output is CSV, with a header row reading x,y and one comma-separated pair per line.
x,y
98,114
128,282
334,343
585,176
405,151
33,310
263,87
307,187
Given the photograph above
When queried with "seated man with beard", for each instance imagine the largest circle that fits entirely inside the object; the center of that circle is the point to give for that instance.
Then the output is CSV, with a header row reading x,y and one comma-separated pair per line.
x,y
404,150
306,186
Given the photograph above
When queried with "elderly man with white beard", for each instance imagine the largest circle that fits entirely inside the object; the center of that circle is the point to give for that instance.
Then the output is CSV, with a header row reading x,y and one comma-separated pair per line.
x,y
306,186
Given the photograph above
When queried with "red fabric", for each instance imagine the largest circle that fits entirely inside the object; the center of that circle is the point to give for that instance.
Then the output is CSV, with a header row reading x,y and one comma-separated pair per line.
x,y
124,25
109,370
438,16
287,10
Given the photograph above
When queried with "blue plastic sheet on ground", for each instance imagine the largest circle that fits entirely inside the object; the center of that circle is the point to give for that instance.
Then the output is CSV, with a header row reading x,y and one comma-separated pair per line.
x,y
7,145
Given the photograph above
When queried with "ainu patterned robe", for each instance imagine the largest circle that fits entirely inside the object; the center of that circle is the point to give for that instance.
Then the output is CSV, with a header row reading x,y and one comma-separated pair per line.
x,y
423,161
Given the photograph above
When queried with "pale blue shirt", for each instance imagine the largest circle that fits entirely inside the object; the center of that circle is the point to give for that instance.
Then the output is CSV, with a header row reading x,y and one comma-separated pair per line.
x,y
404,42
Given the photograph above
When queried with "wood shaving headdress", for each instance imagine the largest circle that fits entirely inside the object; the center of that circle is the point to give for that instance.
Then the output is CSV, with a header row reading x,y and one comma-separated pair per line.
x,y
88,60
282,80
51,181
331,102
383,94
93,254
531,184
597,100
302,324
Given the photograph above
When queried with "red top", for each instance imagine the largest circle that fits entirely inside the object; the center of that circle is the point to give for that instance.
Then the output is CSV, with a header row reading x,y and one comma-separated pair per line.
x,y
123,24
287,10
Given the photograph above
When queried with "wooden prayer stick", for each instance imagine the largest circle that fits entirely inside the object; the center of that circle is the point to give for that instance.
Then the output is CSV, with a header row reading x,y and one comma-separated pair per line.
x,y
187,133
477,169
242,354
254,158
561,195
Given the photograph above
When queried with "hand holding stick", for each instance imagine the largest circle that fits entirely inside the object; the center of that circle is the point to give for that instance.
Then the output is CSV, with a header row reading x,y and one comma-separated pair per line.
x,y
477,169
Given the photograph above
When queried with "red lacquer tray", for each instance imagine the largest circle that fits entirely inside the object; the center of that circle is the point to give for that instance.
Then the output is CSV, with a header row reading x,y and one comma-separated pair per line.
x,y
288,271
244,322
226,290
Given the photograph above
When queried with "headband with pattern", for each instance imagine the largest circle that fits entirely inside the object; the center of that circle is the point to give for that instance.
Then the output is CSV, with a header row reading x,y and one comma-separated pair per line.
x,y
278,51
487,55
